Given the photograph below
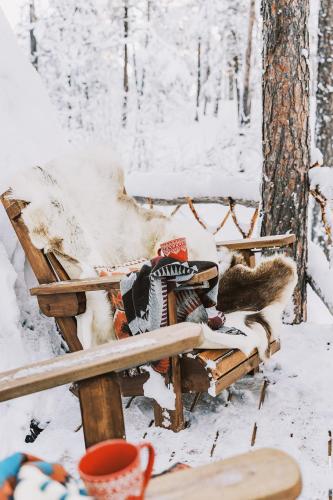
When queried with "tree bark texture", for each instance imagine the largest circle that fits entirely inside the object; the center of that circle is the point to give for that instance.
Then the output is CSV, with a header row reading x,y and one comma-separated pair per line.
x,y
324,118
286,155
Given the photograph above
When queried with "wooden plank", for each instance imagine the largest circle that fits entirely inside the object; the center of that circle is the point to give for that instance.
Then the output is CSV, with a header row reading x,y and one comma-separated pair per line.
x,y
260,474
132,386
105,283
194,376
106,358
36,258
228,360
57,266
258,243
63,305
81,285
242,369
203,276
68,329
101,409
13,207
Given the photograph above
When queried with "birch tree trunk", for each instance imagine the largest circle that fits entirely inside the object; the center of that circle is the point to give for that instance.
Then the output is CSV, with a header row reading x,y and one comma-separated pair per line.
x,y
198,80
285,187
125,77
33,41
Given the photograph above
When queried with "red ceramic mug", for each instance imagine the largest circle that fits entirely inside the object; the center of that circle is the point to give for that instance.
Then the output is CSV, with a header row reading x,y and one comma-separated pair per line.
x,y
177,249
112,470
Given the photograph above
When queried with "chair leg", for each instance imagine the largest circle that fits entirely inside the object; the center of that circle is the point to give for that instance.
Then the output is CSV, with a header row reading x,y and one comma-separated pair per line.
x,y
101,409
172,419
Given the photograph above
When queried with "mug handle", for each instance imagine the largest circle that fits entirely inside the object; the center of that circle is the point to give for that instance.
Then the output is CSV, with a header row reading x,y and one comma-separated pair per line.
x,y
149,468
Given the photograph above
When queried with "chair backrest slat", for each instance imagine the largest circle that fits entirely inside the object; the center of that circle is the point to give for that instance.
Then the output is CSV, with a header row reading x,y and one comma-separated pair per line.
x,y
41,265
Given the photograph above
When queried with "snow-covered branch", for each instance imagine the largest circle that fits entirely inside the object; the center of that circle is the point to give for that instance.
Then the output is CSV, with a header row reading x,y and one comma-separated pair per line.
x,y
320,276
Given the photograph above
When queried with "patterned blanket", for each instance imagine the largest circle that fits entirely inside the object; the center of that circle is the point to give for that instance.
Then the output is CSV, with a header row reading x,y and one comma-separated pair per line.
x,y
24,477
141,304
145,294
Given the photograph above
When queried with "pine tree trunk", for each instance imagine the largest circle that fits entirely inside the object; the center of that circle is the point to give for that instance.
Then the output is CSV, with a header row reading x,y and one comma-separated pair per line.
x,y
324,118
285,187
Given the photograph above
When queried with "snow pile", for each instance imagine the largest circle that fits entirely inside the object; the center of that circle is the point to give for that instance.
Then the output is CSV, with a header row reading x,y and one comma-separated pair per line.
x,y
322,177
155,388
316,157
29,131
320,275
11,351
170,185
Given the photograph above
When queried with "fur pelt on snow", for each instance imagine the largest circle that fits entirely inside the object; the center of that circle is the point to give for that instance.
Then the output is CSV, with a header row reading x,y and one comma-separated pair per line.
x,y
260,293
78,209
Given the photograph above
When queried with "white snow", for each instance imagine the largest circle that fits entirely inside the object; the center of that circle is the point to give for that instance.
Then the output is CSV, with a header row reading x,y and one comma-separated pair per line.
x,y
29,131
321,274
173,184
316,157
322,177
155,388
205,158
210,364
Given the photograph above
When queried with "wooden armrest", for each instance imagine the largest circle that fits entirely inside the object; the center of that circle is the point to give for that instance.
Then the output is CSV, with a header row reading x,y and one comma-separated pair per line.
x,y
263,473
258,243
104,283
206,275
113,356
75,286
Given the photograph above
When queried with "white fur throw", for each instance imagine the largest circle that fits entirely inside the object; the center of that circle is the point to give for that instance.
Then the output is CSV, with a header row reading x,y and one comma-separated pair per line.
x,y
78,209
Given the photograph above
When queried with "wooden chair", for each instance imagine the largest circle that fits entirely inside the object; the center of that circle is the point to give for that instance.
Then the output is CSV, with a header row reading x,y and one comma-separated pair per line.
x,y
96,371
64,299
260,474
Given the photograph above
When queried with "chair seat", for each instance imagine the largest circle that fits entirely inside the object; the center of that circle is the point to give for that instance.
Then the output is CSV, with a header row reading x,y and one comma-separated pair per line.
x,y
201,371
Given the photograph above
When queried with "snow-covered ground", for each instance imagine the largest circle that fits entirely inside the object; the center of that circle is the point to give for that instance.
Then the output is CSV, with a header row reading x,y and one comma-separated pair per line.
x,y
297,413
296,416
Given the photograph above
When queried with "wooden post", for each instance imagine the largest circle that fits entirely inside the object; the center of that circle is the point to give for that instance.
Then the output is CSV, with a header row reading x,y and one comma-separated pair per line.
x,y
101,409
172,419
